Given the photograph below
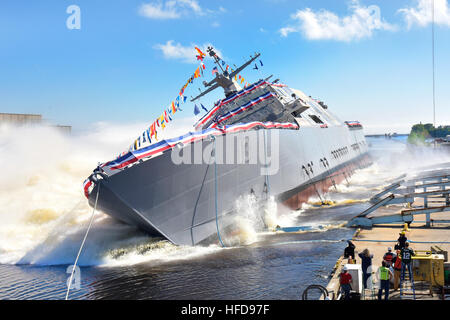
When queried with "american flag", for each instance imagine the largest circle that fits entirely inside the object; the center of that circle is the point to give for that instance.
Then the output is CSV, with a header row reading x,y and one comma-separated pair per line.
x,y
214,70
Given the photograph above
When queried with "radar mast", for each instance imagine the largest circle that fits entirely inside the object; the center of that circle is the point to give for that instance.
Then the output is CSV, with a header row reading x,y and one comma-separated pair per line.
x,y
223,78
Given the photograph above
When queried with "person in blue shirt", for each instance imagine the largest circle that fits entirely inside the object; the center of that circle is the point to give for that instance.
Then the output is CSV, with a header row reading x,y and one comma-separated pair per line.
x,y
366,262
402,240
349,251
406,254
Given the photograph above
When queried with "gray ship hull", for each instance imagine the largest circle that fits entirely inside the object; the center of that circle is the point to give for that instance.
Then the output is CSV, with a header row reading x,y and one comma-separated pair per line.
x,y
189,203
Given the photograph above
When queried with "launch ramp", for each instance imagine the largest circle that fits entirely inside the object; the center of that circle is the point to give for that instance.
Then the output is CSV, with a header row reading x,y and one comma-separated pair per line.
x,y
423,194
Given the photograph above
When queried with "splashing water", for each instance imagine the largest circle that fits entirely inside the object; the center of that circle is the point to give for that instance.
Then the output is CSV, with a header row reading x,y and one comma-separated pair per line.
x,y
153,251
259,218
246,223
43,210
271,218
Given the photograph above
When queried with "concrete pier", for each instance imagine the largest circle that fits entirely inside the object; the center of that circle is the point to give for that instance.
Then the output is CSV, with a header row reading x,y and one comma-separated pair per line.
x,y
378,238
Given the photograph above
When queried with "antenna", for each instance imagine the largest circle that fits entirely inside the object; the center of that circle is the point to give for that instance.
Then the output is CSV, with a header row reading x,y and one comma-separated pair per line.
x,y
224,79
432,57
214,55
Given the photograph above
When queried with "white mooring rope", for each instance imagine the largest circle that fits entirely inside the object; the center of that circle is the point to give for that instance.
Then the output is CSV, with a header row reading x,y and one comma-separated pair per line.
x,y
82,243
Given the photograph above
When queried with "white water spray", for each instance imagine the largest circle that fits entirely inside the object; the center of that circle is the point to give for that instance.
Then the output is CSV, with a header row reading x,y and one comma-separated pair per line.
x,y
43,211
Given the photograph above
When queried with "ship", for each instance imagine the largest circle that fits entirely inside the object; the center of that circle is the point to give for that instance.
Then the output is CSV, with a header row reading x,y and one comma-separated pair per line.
x,y
266,140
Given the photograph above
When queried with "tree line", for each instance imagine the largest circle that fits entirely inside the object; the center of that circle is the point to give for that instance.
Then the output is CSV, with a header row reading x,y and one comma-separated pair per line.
x,y
420,132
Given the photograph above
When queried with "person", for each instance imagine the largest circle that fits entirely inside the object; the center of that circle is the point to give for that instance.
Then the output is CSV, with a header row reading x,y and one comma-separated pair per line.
x,y
345,280
349,251
366,262
397,263
388,256
402,240
406,253
385,274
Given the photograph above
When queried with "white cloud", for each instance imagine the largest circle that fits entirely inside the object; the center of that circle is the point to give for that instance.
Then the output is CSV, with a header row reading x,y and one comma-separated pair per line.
x,y
421,14
171,9
286,30
156,11
186,54
326,25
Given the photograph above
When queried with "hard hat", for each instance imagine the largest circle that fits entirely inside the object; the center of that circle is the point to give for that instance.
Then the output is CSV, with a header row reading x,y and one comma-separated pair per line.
x,y
345,268
389,249
403,232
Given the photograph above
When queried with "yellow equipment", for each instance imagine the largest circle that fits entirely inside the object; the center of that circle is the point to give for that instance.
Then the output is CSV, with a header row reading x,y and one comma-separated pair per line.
x,y
322,203
428,267
439,250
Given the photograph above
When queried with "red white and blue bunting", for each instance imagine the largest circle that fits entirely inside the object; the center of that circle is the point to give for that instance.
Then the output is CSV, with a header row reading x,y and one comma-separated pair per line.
x,y
150,135
86,185
163,145
245,107
353,124
158,148
225,101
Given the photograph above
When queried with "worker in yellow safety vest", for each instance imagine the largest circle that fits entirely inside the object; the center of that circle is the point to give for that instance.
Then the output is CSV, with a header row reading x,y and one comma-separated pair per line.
x,y
385,274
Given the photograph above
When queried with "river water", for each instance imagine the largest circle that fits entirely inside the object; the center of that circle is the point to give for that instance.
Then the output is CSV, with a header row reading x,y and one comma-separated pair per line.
x,y
44,218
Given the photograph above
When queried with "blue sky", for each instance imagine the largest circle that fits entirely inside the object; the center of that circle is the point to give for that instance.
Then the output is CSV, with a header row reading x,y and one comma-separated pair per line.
x,y
129,59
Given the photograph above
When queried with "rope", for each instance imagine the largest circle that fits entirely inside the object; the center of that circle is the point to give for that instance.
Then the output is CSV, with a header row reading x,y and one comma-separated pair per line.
x,y
429,241
322,289
410,241
265,161
215,192
345,176
370,240
82,243
314,185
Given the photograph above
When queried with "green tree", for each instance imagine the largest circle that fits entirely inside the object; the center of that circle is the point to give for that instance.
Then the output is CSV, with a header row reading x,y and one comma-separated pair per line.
x,y
420,132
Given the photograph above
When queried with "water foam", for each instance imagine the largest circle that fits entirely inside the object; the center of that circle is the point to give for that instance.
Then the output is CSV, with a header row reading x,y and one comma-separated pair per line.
x,y
258,217
43,211
246,223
